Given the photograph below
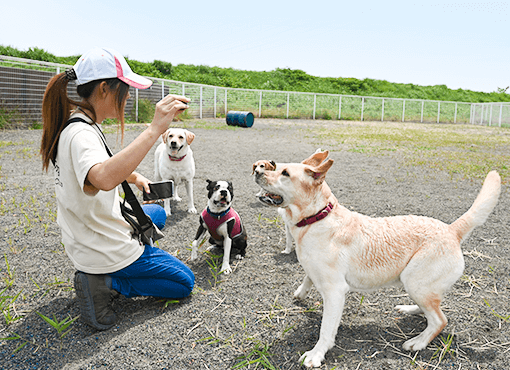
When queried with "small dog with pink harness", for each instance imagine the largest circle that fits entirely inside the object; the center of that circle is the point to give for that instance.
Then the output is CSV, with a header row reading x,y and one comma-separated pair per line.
x,y
222,223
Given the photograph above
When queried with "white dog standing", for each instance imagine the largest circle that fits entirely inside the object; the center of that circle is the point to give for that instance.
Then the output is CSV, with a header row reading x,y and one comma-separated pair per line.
x,y
344,251
173,160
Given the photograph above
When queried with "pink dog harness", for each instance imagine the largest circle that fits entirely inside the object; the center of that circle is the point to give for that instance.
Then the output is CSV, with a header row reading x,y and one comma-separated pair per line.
x,y
213,222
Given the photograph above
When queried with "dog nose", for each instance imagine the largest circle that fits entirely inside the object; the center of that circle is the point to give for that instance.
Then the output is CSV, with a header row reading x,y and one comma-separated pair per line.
x,y
223,193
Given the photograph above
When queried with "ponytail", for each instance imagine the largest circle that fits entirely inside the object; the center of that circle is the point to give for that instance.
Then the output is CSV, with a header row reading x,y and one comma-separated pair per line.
x,y
56,109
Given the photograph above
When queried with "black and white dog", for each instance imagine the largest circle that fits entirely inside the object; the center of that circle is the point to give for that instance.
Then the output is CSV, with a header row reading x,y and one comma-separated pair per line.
x,y
222,223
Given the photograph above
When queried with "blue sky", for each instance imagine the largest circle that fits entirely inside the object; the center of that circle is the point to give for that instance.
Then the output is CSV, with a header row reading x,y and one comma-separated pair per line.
x,y
461,44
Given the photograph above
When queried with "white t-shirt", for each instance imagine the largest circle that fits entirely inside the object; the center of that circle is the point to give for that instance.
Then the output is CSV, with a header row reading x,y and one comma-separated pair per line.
x,y
96,237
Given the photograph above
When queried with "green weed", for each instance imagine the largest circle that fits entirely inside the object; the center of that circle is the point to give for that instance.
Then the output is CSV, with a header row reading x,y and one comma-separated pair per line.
x,y
59,326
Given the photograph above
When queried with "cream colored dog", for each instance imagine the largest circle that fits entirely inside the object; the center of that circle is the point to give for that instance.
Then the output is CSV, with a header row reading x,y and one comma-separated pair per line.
x,y
342,250
173,160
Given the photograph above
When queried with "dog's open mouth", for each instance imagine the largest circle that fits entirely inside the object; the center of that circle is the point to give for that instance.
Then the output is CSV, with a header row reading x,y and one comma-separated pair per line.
x,y
271,199
221,202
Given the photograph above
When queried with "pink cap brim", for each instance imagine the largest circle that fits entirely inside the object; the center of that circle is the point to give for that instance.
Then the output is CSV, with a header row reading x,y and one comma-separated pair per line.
x,y
132,79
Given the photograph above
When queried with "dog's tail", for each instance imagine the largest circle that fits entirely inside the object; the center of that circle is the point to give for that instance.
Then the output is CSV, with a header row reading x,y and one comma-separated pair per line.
x,y
481,208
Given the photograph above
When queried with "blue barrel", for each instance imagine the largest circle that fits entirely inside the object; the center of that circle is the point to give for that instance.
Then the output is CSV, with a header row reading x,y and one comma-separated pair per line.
x,y
241,119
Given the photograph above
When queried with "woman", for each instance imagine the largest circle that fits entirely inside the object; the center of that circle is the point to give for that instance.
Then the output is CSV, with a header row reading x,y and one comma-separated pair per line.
x,y
95,235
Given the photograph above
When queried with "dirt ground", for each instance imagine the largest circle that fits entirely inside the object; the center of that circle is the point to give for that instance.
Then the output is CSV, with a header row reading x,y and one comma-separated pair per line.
x,y
247,319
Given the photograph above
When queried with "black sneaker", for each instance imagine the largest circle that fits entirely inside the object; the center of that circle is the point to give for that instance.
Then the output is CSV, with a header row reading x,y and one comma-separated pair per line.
x,y
94,299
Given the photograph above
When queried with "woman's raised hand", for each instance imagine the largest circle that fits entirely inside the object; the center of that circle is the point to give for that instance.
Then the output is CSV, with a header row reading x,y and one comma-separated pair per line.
x,y
167,109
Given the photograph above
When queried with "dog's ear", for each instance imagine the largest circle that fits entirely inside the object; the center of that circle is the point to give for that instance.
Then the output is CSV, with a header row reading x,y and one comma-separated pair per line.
x,y
273,164
209,182
190,136
319,173
316,158
231,189
164,136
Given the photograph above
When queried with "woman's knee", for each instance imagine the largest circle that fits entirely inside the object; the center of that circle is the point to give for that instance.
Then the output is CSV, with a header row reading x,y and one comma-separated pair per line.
x,y
156,213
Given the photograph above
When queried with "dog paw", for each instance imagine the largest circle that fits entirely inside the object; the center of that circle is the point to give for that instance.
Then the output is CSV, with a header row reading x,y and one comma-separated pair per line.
x,y
300,293
192,210
286,251
239,257
194,256
312,358
408,309
416,344
176,199
226,270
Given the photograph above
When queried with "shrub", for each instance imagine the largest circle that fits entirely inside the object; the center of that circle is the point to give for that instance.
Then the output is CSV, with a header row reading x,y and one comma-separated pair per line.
x,y
9,117
145,110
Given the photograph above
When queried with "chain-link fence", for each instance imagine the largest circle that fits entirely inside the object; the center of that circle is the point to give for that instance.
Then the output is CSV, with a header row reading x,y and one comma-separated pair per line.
x,y
22,85
492,114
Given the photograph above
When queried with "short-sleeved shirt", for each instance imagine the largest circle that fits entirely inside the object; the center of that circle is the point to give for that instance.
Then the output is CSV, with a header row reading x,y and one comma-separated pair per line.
x,y
95,235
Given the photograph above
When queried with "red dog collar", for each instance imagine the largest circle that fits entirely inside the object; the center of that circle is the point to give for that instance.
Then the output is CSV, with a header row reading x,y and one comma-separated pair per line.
x,y
175,159
317,217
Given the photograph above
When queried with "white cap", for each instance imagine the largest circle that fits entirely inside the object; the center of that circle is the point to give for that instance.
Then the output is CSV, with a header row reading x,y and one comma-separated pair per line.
x,y
101,63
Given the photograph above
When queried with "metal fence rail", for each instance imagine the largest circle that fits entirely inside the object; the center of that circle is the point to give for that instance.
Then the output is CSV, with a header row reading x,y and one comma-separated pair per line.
x,y
492,114
23,81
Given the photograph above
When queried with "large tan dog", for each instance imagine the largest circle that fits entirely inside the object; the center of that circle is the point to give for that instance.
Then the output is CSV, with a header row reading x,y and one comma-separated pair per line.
x,y
342,250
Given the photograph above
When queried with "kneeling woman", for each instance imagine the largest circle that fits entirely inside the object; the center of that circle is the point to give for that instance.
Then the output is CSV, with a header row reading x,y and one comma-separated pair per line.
x,y
95,235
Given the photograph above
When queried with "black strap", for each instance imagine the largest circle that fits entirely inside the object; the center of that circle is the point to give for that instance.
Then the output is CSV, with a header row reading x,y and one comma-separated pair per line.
x,y
129,196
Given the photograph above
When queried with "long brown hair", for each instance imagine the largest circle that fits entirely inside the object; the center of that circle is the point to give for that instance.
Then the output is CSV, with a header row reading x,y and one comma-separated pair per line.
x,y
57,106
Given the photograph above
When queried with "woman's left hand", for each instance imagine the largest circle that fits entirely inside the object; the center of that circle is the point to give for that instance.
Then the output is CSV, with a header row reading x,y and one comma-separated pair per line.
x,y
140,181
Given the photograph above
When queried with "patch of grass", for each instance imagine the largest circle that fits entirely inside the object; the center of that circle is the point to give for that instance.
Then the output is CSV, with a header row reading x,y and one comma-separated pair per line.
x,y
505,318
469,151
60,326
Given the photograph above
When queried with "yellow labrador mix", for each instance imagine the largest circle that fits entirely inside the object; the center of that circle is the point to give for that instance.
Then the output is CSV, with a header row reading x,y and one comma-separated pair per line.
x,y
173,160
342,250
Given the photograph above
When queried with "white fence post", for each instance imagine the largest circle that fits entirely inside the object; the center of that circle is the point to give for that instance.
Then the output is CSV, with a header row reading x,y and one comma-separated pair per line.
x,y
455,115
481,115
201,100
500,113
382,113
215,88
314,104
362,106
490,118
226,102
340,107
288,103
136,105
183,90
422,105
403,110
438,110
260,104
162,89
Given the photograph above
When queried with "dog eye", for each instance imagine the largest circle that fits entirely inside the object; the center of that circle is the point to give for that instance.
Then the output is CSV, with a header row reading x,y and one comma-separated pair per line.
x,y
285,173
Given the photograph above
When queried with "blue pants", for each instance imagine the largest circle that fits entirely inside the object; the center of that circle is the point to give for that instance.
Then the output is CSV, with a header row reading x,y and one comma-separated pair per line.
x,y
156,273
